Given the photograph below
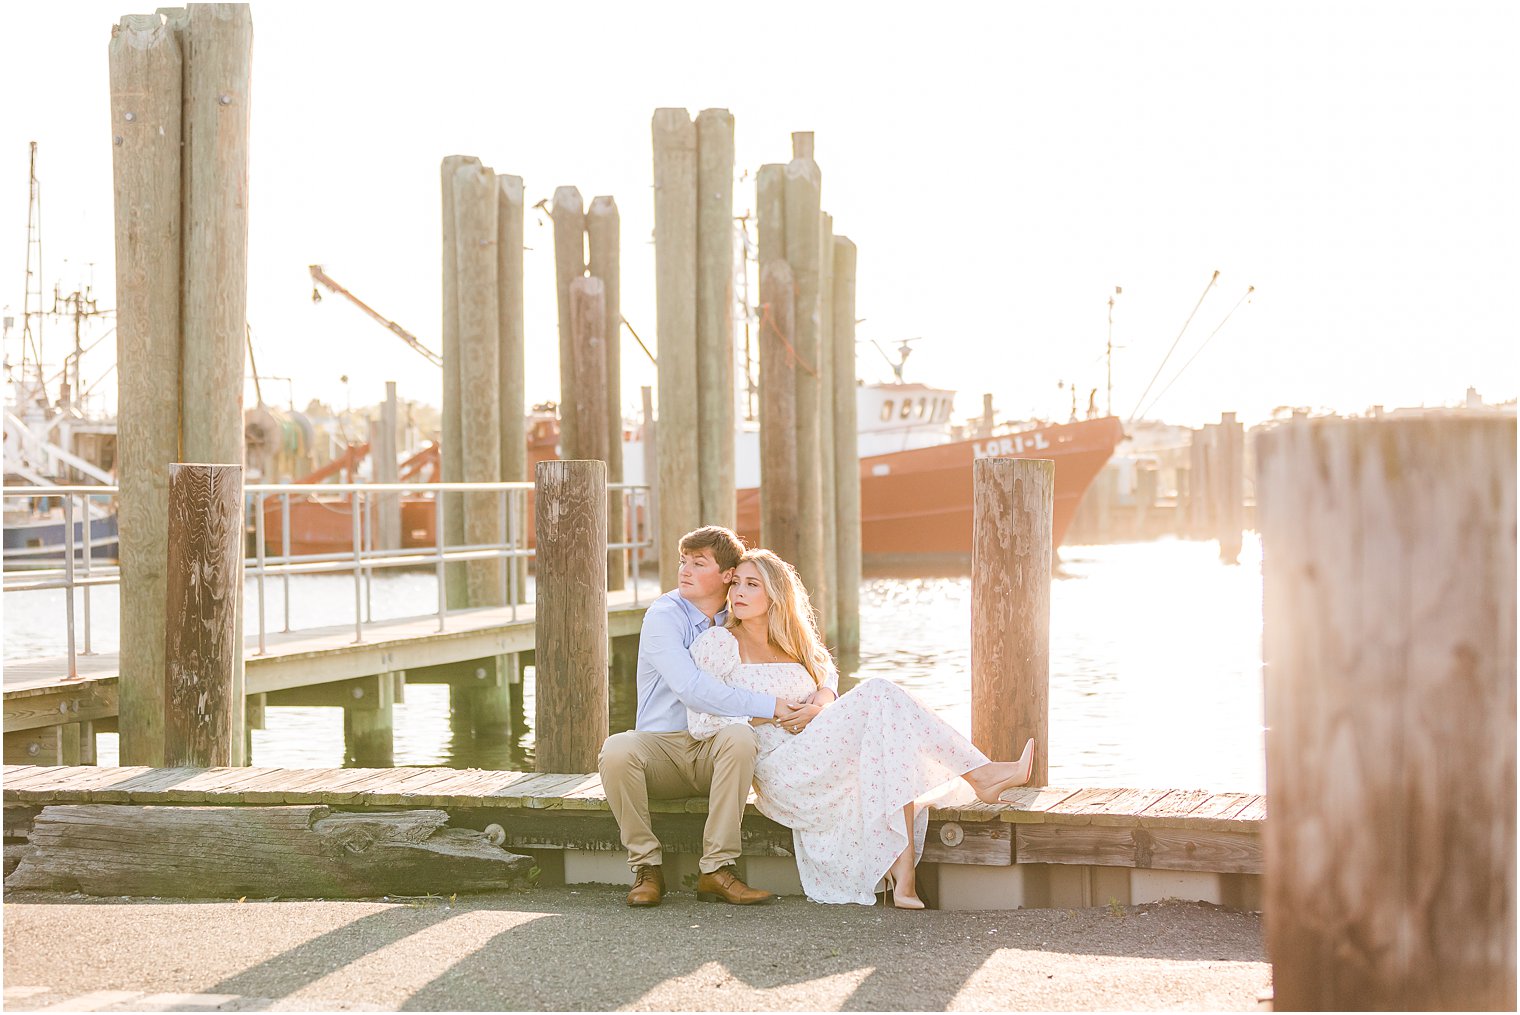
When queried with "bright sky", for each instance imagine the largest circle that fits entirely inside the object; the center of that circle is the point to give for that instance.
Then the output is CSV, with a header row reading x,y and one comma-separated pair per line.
x,y
1000,167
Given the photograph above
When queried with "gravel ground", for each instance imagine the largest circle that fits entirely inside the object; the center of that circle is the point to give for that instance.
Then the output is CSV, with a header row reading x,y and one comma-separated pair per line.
x,y
582,949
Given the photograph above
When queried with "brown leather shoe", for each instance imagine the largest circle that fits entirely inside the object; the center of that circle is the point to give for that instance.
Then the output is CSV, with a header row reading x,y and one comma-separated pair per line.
x,y
723,885
648,886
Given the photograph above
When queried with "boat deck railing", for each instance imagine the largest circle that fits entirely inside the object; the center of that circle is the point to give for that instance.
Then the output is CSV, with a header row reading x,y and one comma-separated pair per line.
x,y
362,559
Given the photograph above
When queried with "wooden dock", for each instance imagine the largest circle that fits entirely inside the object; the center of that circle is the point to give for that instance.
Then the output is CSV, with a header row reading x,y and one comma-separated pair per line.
x,y
40,696
1046,847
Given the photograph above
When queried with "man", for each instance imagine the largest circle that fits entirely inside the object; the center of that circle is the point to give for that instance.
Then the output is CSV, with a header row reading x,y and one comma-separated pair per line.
x,y
659,759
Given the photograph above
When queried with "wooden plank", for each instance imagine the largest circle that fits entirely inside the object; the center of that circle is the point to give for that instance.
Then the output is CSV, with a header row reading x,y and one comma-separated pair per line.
x,y
73,702
1174,805
1218,811
1124,810
273,784
412,789
1161,849
983,843
17,776
494,789
1030,804
216,785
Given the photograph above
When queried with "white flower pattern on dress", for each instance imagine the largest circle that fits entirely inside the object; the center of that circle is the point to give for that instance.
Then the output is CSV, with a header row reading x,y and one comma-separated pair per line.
x,y
841,783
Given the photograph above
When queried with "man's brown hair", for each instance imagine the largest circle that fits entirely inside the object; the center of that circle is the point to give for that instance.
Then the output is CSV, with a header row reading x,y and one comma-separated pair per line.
x,y
725,545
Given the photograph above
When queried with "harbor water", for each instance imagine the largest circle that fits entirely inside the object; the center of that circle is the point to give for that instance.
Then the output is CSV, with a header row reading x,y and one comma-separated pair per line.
x,y
1155,665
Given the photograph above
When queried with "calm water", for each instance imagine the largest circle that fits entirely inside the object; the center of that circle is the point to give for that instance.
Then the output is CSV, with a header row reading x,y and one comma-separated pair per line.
x,y
1155,666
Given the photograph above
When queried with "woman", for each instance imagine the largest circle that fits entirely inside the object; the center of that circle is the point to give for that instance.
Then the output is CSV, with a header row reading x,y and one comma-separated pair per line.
x,y
845,784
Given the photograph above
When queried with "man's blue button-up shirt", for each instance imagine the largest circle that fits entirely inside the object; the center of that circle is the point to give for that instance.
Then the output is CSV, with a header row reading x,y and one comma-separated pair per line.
x,y
670,683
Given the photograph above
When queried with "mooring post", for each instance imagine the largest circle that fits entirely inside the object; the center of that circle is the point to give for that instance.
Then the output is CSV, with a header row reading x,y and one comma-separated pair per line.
x,y
778,413
603,241
368,730
569,217
588,363
388,505
1230,508
826,465
715,323
475,233
202,652
803,190
1011,545
514,409
1388,649
846,453
675,266
650,446
146,112
571,639
770,212
450,509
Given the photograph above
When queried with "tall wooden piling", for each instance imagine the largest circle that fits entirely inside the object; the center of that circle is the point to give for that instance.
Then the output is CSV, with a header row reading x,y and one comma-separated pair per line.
x,y
571,646
826,466
1011,544
588,361
1229,509
383,453
509,322
1198,486
770,212
203,653
1388,570
803,190
715,322
604,243
569,215
451,454
778,413
675,256
146,110
650,446
846,451
475,234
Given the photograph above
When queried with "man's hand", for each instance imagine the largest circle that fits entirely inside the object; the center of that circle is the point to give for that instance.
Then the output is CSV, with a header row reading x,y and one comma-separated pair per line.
x,y
797,715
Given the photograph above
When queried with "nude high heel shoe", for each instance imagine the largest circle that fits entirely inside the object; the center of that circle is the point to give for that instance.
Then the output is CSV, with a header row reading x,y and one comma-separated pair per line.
x,y
889,897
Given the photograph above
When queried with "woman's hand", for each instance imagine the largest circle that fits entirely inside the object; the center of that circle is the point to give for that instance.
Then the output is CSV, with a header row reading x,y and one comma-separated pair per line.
x,y
823,696
797,718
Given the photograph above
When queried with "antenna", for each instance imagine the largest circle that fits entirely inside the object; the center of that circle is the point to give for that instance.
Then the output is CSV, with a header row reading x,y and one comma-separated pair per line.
x,y
33,276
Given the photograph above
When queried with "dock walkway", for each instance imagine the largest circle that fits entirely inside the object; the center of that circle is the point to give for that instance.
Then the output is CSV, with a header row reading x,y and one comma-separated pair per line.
x,y
1046,846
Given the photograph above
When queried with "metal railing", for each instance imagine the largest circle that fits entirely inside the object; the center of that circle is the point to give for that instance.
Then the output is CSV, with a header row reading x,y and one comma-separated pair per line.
x,y
361,558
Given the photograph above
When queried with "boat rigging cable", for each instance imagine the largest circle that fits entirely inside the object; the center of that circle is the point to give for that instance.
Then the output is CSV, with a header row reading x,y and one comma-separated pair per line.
x,y
1212,280
1247,295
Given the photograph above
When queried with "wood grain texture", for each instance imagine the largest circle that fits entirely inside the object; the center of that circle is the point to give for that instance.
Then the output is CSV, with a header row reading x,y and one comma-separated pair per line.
x,y
804,185
147,110
779,530
846,450
1389,653
475,226
387,505
451,454
604,246
569,218
588,364
1222,852
983,843
675,267
715,324
227,852
571,652
826,466
1011,546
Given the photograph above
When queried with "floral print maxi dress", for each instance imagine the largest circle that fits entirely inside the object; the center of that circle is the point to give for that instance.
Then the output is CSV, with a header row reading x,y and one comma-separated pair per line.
x,y
841,783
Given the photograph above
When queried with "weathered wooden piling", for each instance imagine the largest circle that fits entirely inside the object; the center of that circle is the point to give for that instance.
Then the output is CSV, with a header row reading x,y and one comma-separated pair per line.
x,y
569,215
651,446
509,317
846,451
203,654
588,363
1229,510
803,191
675,254
715,323
571,643
778,413
383,452
1011,546
451,454
146,111
604,243
826,466
1388,567
770,212
475,229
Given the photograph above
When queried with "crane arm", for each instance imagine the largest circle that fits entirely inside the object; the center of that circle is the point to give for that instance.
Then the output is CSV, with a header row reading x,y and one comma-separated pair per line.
x,y
322,278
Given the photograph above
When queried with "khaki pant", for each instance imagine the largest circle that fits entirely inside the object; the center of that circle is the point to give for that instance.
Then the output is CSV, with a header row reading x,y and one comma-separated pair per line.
x,y
638,767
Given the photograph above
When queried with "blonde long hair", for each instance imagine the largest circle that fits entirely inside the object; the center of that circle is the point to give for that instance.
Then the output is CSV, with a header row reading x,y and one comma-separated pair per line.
x,y
791,625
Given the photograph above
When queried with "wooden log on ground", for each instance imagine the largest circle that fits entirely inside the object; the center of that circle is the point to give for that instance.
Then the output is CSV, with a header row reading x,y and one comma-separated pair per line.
x,y
569,216
846,451
146,117
511,361
230,852
1011,544
1388,568
715,322
675,257
475,227
604,244
778,413
203,653
803,188
451,454
826,467
571,644
588,364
